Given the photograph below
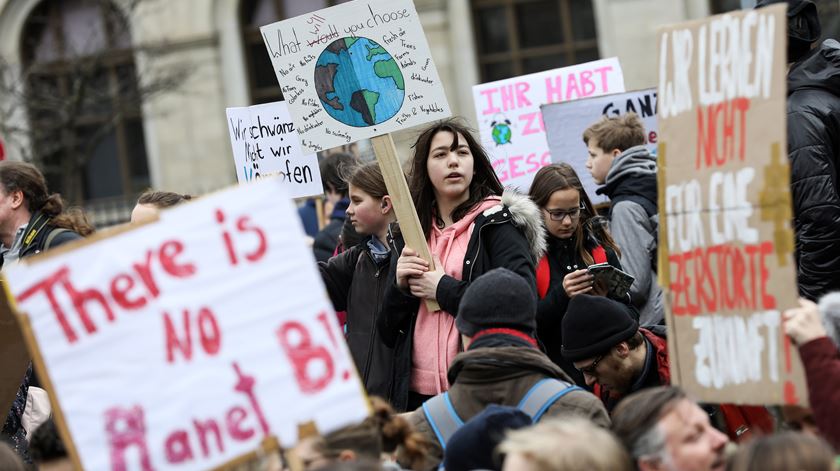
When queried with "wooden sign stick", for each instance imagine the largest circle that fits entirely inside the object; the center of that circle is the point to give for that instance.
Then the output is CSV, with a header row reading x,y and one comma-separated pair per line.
x,y
389,163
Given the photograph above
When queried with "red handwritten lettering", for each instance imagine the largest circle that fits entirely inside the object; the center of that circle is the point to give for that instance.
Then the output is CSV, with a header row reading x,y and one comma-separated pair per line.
x,y
126,428
708,151
740,281
297,344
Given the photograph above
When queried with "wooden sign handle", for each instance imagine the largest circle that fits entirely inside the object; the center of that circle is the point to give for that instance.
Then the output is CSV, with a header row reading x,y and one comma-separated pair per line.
x,y
389,163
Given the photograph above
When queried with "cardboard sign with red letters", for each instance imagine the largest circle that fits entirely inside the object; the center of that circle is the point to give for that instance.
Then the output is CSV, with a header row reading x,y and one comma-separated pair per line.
x,y
191,341
725,239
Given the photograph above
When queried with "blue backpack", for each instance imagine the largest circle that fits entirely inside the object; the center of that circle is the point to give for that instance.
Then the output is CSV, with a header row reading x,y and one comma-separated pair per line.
x,y
445,421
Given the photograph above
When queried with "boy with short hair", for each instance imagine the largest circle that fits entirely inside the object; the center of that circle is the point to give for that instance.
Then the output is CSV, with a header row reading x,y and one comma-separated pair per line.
x,y
619,160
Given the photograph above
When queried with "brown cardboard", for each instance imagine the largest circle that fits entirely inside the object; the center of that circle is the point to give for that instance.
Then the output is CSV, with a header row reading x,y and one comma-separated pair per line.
x,y
726,244
14,354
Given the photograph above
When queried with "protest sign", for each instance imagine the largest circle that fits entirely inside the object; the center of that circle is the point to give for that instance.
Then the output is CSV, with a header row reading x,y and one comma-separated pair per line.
x,y
265,143
186,343
565,123
360,70
15,358
354,71
725,238
509,118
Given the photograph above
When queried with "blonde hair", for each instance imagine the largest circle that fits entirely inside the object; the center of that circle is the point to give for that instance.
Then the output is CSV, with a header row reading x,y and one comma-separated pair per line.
x,y
570,444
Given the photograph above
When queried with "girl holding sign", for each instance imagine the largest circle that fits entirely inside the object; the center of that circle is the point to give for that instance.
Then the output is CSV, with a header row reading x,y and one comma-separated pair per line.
x,y
576,239
356,278
470,228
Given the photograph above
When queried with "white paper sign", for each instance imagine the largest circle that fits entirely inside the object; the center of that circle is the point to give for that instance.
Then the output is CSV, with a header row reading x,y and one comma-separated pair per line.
x,y
566,122
354,71
184,343
510,121
265,143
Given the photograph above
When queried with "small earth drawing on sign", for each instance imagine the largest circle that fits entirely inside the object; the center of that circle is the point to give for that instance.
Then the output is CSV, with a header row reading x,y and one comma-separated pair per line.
x,y
358,82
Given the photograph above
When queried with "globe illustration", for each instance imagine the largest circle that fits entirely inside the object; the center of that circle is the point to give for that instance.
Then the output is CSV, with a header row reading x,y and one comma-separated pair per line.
x,y
358,82
501,134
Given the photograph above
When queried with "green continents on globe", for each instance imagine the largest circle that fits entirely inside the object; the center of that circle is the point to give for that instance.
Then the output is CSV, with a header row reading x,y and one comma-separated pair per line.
x,y
358,82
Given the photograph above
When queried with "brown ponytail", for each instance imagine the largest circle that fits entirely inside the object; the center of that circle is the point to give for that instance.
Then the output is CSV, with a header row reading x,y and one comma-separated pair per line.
x,y
26,178
383,432
412,448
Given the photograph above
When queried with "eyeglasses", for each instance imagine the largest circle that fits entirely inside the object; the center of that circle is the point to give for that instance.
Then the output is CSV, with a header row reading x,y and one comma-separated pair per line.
x,y
590,370
559,214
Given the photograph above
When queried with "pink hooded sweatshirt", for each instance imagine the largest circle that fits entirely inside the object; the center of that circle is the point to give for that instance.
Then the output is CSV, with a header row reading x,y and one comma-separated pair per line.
x,y
436,340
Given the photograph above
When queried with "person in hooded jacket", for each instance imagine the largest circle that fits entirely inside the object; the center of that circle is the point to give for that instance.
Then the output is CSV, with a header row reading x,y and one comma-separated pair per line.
x,y
501,365
472,225
813,121
619,160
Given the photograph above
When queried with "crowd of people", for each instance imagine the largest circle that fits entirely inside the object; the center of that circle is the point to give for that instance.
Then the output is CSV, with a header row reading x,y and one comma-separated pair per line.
x,y
529,362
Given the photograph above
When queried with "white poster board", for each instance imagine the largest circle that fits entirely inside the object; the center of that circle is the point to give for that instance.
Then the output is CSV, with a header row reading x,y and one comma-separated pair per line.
x,y
355,71
566,122
265,143
185,343
509,118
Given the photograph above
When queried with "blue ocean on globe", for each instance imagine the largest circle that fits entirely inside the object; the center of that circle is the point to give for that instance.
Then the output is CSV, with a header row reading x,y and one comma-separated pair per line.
x,y
358,82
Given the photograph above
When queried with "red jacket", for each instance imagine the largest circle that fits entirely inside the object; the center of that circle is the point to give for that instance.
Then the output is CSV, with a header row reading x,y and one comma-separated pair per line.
x,y
741,421
663,370
822,373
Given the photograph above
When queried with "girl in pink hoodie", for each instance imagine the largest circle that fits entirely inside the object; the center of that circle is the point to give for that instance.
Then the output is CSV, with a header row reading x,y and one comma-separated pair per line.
x,y
471,227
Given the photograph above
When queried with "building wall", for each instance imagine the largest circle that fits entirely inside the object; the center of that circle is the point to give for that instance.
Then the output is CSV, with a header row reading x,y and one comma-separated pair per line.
x,y
186,133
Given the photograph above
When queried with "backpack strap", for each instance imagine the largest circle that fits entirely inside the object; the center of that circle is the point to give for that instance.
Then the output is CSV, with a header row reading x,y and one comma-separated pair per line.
x,y
543,276
542,395
599,255
52,235
442,417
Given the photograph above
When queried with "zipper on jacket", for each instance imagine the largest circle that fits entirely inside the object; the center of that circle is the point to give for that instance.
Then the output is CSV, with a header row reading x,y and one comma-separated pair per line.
x,y
492,222
373,324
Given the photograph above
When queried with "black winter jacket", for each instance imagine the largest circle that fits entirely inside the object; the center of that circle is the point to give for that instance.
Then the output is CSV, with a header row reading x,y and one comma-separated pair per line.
x,y
563,258
814,149
508,235
356,284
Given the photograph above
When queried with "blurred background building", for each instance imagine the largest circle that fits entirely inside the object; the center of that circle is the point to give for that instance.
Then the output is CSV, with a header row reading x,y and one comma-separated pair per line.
x,y
111,97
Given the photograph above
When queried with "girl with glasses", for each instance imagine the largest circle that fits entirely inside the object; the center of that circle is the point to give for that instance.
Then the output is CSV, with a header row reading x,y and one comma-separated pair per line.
x,y
577,238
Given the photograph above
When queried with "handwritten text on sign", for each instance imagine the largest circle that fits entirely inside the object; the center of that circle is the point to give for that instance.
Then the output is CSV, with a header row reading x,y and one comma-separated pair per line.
x,y
565,123
727,202
181,344
354,71
510,121
265,143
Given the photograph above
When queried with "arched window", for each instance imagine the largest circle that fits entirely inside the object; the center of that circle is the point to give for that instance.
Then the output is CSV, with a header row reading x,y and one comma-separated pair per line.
x,y
516,37
262,82
83,100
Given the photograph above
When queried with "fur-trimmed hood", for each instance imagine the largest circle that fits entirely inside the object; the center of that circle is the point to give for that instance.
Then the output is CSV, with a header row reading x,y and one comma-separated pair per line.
x,y
524,214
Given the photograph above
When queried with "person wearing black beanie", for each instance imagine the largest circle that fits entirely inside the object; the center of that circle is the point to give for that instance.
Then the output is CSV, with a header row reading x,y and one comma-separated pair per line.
x,y
604,342
502,365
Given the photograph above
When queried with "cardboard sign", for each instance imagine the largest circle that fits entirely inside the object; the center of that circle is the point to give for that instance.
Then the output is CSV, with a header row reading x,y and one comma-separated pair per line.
x,y
265,143
726,244
566,122
509,118
188,342
14,356
354,71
